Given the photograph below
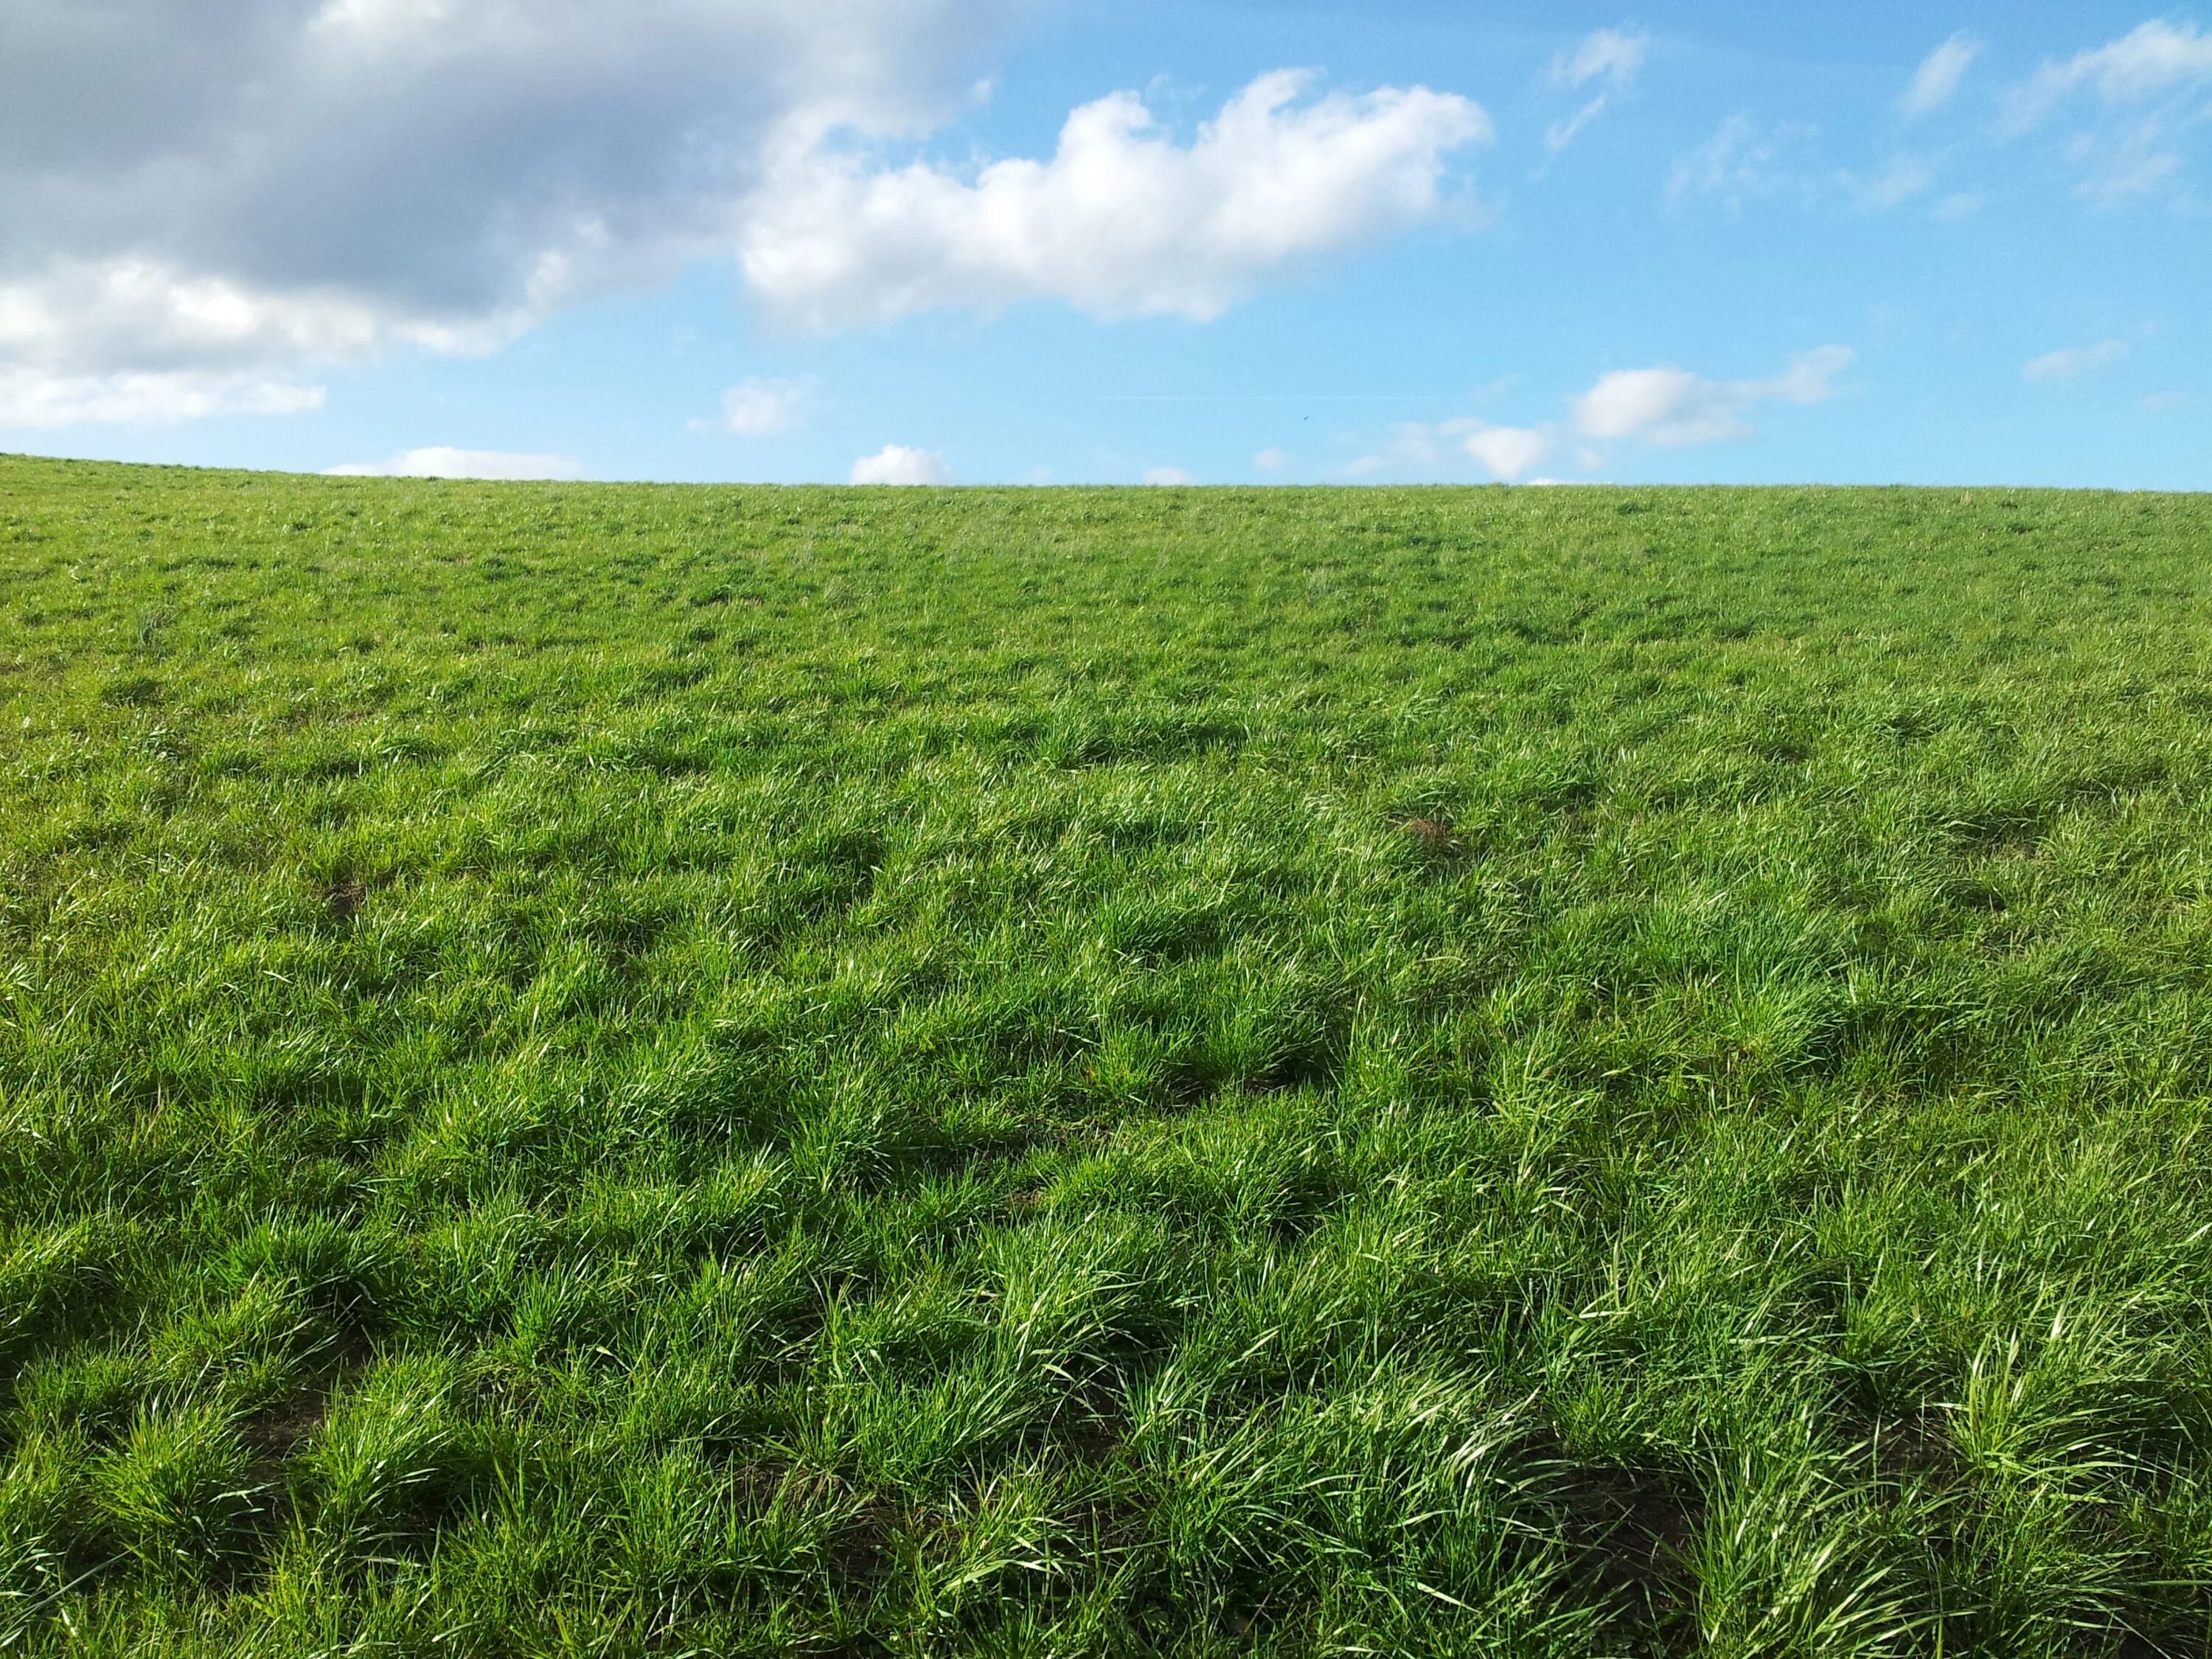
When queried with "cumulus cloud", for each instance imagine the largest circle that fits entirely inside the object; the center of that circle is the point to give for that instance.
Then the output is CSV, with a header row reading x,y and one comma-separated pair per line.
x,y
33,398
767,409
1272,460
1509,453
243,187
1167,477
1672,408
2075,361
895,464
1664,408
1936,82
443,462
137,312
240,190
1611,58
1121,221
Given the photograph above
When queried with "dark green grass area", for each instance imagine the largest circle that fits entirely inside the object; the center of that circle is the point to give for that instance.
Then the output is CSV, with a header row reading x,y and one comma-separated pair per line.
x,y
648,1071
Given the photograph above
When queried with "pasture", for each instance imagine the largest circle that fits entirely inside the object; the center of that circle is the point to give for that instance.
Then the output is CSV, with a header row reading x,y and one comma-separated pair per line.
x,y
622,1070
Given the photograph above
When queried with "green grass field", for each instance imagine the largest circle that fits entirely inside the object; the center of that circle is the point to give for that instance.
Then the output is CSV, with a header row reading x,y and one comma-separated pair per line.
x,y
593,1070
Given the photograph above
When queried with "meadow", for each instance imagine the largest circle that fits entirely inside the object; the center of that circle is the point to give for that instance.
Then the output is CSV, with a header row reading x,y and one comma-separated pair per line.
x,y
593,1070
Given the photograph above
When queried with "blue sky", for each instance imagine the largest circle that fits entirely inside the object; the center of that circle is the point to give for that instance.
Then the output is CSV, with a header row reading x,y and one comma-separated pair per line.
x,y
758,240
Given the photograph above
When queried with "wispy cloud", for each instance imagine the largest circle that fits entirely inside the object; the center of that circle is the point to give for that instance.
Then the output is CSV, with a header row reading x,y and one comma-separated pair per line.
x,y
1615,57
1744,159
1747,160
2148,88
2153,62
1610,60
1936,82
2074,363
1905,177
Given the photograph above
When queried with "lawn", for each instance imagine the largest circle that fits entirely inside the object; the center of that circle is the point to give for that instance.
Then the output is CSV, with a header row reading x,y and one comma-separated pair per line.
x,y
621,1070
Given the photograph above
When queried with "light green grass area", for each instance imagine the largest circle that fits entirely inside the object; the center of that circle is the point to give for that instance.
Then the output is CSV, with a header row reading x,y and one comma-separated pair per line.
x,y
592,1070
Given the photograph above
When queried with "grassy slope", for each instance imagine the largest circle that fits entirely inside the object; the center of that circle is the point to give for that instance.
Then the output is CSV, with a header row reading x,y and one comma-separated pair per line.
x,y
608,1070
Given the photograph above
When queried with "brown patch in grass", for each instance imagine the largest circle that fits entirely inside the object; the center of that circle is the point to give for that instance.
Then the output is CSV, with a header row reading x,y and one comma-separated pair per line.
x,y
1093,1431
863,1548
864,1544
1433,835
273,1435
1107,1524
1909,1448
1634,1531
343,899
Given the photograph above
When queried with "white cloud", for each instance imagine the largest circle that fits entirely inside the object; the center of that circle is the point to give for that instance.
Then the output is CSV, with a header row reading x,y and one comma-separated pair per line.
x,y
767,409
1561,134
2122,162
1905,177
38,397
2073,363
1120,222
1746,160
1167,477
1509,453
2149,85
1665,408
2155,61
439,462
1672,408
1960,204
240,190
1272,460
134,312
895,464
1742,160
1612,58
1415,446
1936,82
248,187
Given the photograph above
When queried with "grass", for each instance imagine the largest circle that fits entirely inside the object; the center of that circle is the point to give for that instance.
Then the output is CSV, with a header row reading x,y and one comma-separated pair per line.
x,y
615,1071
